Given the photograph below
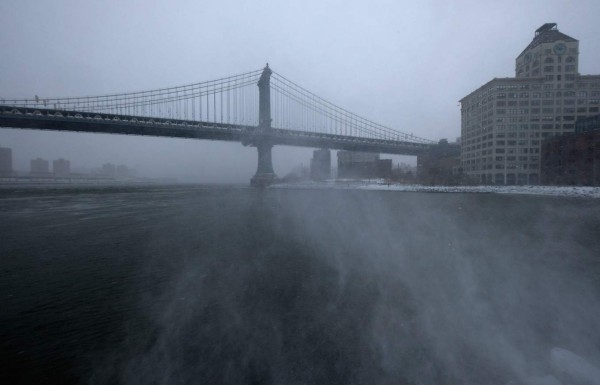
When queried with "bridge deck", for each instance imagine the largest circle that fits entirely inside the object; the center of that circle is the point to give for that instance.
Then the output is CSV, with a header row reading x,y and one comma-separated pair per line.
x,y
76,121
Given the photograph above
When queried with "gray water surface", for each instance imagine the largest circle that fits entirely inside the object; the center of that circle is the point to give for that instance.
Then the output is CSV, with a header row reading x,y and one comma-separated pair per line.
x,y
228,285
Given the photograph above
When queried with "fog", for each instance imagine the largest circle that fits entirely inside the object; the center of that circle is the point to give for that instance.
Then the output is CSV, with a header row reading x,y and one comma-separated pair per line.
x,y
342,287
401,64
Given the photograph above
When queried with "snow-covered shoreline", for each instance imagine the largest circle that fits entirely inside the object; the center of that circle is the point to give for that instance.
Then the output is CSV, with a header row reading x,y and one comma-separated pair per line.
x,y
381,185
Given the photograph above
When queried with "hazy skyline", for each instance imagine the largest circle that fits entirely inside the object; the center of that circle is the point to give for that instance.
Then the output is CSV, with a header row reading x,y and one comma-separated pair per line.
x,y
401,64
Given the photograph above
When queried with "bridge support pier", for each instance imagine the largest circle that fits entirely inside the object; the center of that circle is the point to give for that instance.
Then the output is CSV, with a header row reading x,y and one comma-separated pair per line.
x,y
264,174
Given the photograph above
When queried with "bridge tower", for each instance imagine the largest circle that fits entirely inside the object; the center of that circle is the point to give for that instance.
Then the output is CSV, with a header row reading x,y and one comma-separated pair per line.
x,y
262,139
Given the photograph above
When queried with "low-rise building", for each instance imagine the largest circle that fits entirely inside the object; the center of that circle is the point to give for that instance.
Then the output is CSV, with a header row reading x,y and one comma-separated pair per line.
x,y
320,165
573,159
439,165
360,165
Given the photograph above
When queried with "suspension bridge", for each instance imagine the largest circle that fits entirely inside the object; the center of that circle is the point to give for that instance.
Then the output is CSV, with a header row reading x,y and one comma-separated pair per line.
x,y
277,112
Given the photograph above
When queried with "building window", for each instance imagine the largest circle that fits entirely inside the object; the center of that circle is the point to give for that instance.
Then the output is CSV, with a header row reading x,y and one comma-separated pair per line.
x,y
548,68
549,78
570,59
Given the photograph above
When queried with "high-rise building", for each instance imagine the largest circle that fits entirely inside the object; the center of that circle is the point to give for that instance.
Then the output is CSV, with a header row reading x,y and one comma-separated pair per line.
x,y
504,121
40,166
5,161
61,167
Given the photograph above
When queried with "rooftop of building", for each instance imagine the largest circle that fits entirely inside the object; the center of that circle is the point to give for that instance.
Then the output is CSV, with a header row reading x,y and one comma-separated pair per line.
x,y
547,33
512,80
503,80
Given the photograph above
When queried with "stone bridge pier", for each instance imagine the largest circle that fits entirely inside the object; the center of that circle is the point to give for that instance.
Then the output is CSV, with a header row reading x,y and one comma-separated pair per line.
x,y
264,173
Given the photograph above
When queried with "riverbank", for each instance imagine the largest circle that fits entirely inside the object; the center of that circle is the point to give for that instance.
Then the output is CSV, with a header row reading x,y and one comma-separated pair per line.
x,y
380,184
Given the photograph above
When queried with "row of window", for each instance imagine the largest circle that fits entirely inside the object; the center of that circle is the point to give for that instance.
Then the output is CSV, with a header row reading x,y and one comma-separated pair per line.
x,y
480,98
476,151
546,94
568,68
532,160
547,110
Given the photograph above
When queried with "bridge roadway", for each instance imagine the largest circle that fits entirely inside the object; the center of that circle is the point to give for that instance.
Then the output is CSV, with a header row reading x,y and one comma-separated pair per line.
x,y
77,121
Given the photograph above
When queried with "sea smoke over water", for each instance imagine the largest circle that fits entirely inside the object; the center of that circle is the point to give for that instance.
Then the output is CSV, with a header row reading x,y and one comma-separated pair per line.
x,y
330,287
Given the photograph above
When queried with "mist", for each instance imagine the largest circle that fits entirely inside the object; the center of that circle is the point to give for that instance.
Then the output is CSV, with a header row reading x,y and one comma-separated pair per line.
x,y
364,287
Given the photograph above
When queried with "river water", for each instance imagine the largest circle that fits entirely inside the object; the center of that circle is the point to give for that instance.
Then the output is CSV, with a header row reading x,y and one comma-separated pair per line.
x,y
230,285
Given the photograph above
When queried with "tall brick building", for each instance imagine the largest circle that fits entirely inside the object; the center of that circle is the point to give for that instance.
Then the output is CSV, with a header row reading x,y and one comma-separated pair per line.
x,y
504,121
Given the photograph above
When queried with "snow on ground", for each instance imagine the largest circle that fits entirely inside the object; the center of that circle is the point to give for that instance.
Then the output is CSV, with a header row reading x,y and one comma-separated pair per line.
x,y
380,184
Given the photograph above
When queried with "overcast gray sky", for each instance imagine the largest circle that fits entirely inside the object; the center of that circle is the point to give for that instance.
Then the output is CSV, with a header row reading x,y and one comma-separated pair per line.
x,y
402,64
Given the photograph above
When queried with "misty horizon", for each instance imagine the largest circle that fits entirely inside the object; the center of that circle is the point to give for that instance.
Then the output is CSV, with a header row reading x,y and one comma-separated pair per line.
x,y
402,65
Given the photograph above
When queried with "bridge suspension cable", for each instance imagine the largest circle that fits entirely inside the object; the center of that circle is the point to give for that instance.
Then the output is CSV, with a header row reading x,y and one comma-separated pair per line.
x,y
297,108
229,100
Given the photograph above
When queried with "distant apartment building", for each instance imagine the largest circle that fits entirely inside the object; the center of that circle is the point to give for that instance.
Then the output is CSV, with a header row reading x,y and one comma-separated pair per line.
x,y
6,167
362,165
123,172
320,165
61,167
40,167
109,170
574,158
504,121
440,164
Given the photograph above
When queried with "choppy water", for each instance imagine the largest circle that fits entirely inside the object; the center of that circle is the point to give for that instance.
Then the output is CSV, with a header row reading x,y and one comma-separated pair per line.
x,y
211,285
